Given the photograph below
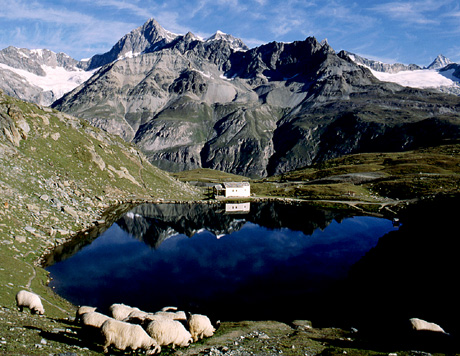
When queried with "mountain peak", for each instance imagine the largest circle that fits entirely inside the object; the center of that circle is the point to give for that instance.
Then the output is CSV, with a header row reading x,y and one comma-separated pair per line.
x,y
440,62
146,38
236,43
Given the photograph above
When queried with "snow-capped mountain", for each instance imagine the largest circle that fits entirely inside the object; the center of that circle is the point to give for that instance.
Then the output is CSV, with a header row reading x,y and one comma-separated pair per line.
x,y
144,39
42,76
39,75
151,37
440,62
438,75
235,43
189,102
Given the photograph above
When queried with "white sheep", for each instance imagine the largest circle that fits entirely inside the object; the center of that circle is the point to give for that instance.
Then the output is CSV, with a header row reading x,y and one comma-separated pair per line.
x,y
200,326
94,319
29,300
82,310
139,317
177,315
124,335
419,324
169,332
121,311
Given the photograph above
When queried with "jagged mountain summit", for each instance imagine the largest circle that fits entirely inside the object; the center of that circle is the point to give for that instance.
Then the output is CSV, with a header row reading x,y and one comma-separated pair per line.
x,y
440,62
40,76
235,43
146,38
188,103
152,37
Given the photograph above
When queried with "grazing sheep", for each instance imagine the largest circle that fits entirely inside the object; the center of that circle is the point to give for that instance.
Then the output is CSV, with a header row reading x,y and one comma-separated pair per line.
x,y
138,317
200,326
82,310
121,311
124,335
94,319
177,315
169,332
419,324
29,300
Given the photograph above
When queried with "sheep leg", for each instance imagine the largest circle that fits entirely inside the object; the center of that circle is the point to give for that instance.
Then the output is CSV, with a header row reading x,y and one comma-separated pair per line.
x,y
106,348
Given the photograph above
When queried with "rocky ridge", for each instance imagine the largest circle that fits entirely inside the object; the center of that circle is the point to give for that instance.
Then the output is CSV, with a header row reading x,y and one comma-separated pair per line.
x,y
264,111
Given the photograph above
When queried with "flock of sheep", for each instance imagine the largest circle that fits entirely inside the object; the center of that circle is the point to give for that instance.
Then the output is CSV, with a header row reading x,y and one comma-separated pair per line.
x,y
131,328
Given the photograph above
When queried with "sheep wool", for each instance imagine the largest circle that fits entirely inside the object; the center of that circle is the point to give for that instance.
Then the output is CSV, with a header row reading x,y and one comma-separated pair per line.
x,y
169,332
82,310
200,326
139,317
121,311
29,300
94,319
124,335
177,315
419,324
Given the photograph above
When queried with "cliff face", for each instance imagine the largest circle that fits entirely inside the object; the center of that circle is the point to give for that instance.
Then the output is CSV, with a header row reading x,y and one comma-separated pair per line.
x,y
190,103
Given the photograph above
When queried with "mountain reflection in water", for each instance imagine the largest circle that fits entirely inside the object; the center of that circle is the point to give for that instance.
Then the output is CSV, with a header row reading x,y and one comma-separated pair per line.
x,y
271,262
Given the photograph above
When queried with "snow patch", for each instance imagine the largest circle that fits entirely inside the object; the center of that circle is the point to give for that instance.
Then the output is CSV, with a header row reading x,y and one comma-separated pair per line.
x,y
129,54
423,78
58,80
206,75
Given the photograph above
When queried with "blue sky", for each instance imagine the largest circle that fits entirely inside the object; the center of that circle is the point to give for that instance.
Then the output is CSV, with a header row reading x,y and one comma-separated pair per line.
x,y
390,31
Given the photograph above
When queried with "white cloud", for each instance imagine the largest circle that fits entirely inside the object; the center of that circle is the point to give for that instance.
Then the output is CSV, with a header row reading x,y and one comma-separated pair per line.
x,y
413,12
121,5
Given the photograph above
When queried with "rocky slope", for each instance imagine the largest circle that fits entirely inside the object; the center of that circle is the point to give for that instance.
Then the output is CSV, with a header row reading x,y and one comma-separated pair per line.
x,y
190,103
58,173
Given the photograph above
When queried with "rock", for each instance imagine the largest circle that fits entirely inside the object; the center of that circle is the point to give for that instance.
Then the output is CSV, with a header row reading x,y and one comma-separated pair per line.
x,y
32,207
20,239
69,210
30,229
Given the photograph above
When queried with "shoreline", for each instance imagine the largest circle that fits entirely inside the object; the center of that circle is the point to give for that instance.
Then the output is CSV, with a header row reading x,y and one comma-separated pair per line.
x,y
110,214
239,337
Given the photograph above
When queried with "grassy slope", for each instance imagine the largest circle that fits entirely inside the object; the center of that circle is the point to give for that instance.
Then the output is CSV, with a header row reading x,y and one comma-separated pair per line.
x,y
57,177
374,178
397,175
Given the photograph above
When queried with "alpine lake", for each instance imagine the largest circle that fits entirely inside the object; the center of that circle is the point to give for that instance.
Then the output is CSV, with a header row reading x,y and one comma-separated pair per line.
x,y
265,261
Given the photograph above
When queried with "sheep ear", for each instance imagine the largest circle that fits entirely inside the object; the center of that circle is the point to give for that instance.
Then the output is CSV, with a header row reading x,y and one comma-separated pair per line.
x,y
188,315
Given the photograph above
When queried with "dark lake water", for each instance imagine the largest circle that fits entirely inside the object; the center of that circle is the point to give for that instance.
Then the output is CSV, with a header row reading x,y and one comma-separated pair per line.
x,y
266,261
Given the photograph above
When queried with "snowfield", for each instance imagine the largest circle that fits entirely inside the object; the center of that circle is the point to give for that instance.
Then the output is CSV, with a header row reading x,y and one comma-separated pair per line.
x,y
424,78
57,79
